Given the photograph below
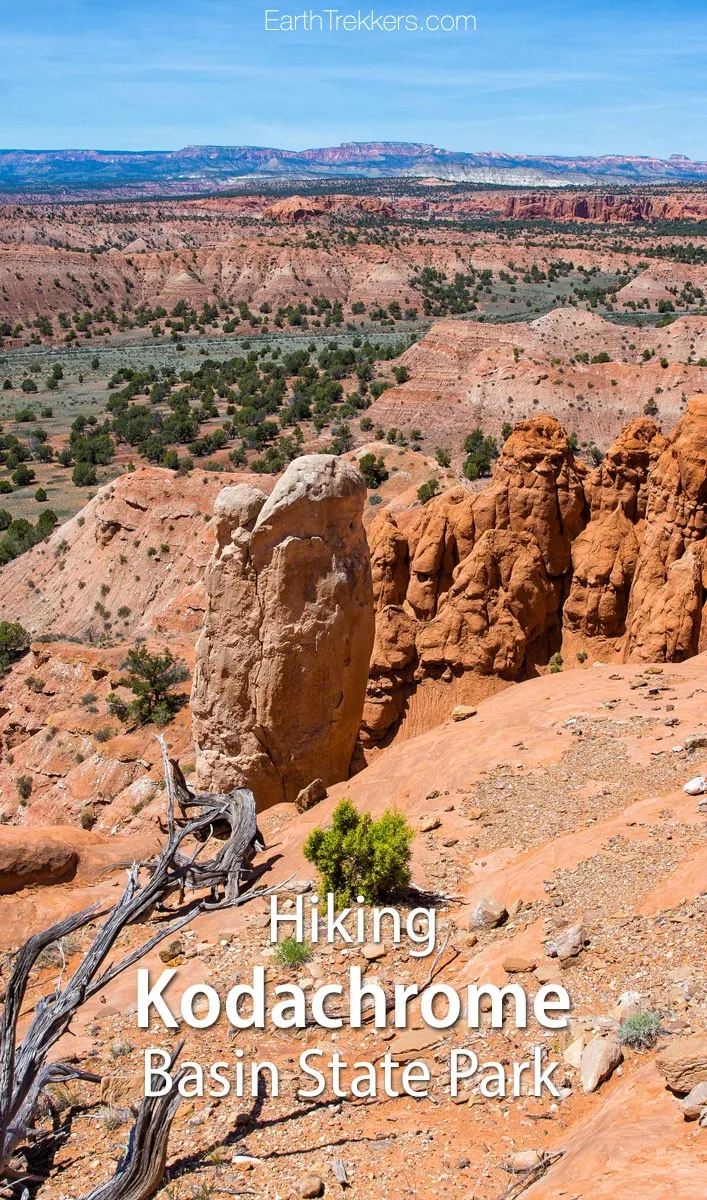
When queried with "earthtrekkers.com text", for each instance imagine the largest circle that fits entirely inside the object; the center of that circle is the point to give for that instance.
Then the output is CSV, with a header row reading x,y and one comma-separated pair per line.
x,y
334,20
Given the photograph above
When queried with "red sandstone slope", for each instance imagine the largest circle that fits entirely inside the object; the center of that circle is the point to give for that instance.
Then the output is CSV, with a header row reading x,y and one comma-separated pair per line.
x,y
563,802
132,561
467,373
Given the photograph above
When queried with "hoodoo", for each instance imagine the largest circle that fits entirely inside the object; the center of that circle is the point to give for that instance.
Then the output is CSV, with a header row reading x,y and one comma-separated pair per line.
x,y
282,661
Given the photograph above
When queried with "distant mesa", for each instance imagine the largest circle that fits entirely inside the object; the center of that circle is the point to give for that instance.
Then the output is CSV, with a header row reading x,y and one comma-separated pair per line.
x,y
197,169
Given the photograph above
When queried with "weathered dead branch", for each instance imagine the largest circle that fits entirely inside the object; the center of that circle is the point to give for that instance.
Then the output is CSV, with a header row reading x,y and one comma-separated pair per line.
x,y
25,1070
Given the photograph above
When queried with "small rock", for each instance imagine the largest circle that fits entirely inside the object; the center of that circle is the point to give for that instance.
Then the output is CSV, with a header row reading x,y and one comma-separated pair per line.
x,y
373,950
548,973
171,950
629,1004
599,1061
448,842
487,913
573,1054
695,741
696,786
310,795
462,711
568,944
475,814
427,824
695,1101
515,964
523,1161
309,1187
462,1162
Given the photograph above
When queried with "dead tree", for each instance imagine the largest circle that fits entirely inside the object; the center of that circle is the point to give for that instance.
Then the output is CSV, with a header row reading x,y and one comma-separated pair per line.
x,y
24,1068
140,1172
231,817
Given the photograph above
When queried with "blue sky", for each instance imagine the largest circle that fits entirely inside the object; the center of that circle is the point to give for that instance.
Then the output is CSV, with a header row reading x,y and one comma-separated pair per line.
x,y
542,76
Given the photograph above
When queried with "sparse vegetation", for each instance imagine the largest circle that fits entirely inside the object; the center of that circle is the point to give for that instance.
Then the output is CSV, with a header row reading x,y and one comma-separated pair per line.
x,y
153,678
641,1030
360,856
291,953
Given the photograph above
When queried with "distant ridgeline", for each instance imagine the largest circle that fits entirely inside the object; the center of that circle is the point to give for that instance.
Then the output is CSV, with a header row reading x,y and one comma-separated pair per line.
x,y
202,168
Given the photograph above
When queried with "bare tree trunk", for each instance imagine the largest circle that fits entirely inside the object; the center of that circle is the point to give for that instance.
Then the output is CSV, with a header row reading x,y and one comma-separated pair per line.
x,y
24,1070
139,1174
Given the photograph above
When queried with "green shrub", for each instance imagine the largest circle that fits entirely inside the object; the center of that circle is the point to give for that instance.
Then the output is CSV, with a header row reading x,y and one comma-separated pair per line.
x,y
291,953
555,663
373,470
641,1030
360,856
426,491
23,783
23,475
84,474
14,642
152,679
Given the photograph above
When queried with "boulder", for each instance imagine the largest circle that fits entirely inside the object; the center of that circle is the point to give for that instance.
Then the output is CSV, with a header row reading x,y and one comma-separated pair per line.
x,y
599,1061
695,1102
487,913
683,1063
312,794
568,944
289,613
30,856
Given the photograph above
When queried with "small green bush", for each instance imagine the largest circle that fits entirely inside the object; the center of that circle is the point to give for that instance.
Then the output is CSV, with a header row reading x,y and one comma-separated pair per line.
x,y
641,1030
84,474
360,856
555,664
14,642
23,783
152,679
427,491
291,953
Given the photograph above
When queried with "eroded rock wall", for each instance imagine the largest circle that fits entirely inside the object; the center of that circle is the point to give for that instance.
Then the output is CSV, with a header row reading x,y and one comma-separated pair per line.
x,y
493,583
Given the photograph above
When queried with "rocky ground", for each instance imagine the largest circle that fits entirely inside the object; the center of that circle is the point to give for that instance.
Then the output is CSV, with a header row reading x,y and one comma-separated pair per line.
x,y
565,806
534,705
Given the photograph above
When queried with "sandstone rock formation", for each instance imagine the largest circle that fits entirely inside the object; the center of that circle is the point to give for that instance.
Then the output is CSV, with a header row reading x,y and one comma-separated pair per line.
x,y
605,554
667,598
549,556
282,660
473,581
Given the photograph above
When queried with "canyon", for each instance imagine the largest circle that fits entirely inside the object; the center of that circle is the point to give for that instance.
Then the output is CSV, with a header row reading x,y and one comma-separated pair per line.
x,y
513,656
